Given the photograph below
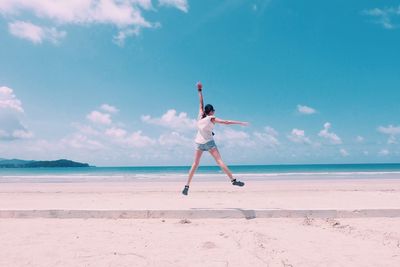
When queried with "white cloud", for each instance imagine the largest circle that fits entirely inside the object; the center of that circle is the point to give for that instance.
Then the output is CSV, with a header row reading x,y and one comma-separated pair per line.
x,y
383,152
179,4
268,137
343,152
332,137
100,144
233,138
172,120
391,131
298,136
22,134
385,16
145,4
114,135
34,33
119,13
137,139
116,132
305,110
27,31
86,129
235,135
8,100
125,15
81,141
111,138
120,38
271,131
11,126
99,117
174,139
109,108
14,133
359,139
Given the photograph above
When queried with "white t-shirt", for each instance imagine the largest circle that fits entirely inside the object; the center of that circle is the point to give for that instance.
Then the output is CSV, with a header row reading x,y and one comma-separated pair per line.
x,y
205,128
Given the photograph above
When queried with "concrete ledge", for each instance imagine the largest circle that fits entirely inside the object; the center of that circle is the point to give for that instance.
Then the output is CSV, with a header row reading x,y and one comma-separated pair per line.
x,y
198,214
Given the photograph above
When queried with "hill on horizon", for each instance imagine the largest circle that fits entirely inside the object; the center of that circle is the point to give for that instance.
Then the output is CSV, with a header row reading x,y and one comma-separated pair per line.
x,y
19,163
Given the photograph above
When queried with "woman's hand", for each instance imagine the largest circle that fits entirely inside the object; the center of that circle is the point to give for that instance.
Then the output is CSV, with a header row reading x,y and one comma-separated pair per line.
x,y
199,86
244,123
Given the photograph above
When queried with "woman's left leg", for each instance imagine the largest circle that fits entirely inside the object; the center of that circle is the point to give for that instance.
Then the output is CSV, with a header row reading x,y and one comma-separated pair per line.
x,y
215,153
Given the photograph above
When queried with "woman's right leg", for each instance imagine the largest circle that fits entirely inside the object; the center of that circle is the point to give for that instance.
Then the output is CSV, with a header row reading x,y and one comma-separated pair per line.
x,y
197,156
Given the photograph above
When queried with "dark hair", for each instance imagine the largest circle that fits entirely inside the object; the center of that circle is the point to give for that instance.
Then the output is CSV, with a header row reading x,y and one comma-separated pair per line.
x,y
207,109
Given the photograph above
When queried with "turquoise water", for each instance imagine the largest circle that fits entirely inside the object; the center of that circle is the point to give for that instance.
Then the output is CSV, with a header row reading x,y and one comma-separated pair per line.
x,y
311,168
257,172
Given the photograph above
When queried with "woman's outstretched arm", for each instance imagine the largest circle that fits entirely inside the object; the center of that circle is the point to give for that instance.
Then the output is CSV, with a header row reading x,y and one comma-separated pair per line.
x,y
216,120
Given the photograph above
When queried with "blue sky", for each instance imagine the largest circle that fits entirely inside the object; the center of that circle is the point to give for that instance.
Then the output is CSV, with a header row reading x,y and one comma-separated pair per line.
x,y
113,82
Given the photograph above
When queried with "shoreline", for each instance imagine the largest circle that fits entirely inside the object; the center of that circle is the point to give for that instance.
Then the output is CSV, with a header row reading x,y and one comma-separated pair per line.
x,y
206,177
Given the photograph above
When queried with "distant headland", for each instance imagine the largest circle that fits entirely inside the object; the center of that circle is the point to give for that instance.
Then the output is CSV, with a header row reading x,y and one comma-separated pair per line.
x,y
18,163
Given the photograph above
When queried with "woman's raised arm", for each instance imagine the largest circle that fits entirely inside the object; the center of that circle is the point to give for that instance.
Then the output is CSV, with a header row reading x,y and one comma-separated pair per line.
x,y
199,89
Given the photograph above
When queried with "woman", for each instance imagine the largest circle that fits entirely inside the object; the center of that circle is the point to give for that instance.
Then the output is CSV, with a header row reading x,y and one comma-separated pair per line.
x,y
205,141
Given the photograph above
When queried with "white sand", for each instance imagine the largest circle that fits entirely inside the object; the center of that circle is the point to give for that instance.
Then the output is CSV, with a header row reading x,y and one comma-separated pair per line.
x,y
333,194
203,242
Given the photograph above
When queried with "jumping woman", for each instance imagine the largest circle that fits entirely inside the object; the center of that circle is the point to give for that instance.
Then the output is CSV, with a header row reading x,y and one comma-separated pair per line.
x,y
205,141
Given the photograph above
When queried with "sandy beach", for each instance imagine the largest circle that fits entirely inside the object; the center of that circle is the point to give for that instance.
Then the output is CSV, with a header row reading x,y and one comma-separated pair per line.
x,y
179,238
158,195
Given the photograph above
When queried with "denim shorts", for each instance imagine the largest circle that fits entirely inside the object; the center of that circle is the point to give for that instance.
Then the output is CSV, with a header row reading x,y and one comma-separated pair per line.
x,y
207,146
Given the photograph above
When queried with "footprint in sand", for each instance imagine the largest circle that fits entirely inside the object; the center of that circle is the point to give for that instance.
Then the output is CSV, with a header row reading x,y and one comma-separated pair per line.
x,y
209,245
221,234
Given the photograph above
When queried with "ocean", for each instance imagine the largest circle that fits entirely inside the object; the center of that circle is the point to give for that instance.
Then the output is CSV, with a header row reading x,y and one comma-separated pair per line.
x,y
179,173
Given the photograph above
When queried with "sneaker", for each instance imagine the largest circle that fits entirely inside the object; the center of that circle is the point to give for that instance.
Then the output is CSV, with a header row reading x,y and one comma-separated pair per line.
x,y
185,190
238,183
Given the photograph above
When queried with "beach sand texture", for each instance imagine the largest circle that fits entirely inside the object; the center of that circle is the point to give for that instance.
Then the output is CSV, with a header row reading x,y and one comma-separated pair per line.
x,y
182,241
